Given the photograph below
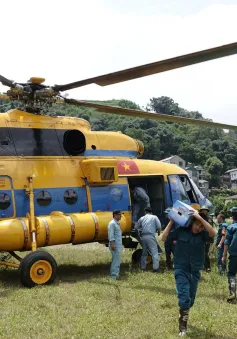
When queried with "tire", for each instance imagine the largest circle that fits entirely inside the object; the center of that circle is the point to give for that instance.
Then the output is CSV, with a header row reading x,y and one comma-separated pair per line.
x,y
136,257
37,268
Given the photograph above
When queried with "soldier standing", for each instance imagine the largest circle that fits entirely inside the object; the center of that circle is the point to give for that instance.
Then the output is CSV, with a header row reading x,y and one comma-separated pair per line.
x,y
230,245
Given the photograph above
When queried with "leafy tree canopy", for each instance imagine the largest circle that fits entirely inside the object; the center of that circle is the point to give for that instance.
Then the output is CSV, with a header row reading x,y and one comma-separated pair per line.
x,y
212,148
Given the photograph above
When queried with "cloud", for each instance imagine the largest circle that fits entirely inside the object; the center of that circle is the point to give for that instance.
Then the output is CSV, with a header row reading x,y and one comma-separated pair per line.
x,y
71,40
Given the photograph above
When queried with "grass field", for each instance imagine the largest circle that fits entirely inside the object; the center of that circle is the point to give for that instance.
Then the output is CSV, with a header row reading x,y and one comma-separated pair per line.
x,y
85,303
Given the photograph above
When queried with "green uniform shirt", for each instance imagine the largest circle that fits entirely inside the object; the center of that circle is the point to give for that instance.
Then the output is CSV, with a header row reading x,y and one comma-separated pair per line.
x,y
231,239
210,239
221,231
189,248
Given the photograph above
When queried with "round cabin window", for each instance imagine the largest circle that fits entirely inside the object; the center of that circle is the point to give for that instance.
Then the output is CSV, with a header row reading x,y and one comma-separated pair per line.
x,y
43,198
74,142
5,201
70,197
116,194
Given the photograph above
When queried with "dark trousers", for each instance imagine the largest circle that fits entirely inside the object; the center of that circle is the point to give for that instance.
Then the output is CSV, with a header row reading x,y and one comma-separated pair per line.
x,y
232,266
221,267
207,263
169,249
186,286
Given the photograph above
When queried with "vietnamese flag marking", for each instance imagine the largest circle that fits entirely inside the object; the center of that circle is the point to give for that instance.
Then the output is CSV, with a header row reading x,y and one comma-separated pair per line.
x,y
127,167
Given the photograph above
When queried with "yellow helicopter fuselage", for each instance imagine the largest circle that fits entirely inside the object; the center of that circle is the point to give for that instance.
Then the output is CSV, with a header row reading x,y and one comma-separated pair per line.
x,y
78,176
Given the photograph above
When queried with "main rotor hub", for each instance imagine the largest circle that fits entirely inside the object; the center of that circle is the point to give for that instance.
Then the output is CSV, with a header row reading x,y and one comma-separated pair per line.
x,y
37,80
34,95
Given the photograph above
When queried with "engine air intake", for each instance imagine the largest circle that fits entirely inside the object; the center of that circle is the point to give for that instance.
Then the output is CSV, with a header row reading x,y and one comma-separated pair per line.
x,y
107,173
100,170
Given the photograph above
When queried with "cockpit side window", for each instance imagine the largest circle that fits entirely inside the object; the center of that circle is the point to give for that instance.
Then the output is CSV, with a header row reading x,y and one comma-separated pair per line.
x,y
36,142
6,143
189,189
178,191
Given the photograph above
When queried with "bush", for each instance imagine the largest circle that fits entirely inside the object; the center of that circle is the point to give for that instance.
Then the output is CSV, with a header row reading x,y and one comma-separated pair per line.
x,y
219,204
228,206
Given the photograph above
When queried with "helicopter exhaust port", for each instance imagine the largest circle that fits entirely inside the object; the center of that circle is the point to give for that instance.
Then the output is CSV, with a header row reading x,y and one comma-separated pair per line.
x,y
140,148
74,142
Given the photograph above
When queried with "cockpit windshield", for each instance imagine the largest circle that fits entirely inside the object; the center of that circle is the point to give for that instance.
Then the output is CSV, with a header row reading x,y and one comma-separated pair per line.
x,y
199,194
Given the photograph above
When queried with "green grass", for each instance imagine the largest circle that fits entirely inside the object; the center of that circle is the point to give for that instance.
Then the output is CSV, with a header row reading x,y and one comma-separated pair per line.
x,y
85,303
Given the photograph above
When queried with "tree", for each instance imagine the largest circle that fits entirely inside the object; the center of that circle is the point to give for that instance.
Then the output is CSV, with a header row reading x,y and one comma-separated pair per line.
x,y
164,105
214,168
128,104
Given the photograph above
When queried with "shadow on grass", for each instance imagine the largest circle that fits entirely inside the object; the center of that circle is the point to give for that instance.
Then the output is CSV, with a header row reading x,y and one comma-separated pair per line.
x,y
70,273
195,332
73,273
9,278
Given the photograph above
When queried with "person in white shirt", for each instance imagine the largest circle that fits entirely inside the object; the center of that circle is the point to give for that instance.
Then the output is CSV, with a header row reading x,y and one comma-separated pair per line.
x,y
148,226
115,243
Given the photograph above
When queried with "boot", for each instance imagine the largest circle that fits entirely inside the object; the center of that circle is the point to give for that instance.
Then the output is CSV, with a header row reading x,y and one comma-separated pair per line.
x,y
221,270
183,321
232,288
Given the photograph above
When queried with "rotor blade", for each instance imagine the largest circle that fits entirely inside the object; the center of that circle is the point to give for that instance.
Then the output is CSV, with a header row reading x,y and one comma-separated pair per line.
x,y
4,97
153,68
148,115
6,82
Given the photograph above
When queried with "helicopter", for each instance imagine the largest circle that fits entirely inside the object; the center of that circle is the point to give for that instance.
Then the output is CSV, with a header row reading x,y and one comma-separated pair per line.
x,y
60,181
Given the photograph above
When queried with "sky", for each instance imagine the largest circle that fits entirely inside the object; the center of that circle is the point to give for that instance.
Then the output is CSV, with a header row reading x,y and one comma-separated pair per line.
x,y
66,41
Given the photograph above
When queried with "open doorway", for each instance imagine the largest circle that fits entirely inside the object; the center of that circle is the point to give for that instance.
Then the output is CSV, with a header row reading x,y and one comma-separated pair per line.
x,y
154,187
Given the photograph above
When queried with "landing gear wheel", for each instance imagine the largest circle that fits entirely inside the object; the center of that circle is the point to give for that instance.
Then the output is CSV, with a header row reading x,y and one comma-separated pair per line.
x,y
136,257
37,268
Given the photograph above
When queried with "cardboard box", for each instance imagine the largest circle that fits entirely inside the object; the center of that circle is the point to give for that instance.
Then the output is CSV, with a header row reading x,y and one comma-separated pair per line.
x,y
180,213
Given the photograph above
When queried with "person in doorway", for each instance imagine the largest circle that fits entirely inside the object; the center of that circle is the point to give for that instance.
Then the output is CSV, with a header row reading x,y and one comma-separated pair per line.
x,y
230,245
115,243
189,256
148,226
140,200
220,238
207,265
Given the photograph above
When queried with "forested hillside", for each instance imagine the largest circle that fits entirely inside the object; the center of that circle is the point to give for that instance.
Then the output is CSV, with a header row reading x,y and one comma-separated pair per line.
x,y
212,148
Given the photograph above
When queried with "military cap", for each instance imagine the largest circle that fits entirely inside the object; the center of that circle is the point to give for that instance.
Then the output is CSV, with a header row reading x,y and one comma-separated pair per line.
x,y
204,207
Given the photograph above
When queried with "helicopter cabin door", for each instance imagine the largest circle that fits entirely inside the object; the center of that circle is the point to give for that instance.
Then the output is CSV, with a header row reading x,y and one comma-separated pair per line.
x,y
7,202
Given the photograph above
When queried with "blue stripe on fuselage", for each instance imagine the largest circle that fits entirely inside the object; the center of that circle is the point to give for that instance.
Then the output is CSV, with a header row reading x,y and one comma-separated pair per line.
x,y
106,153
57,203
109,198
104,198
